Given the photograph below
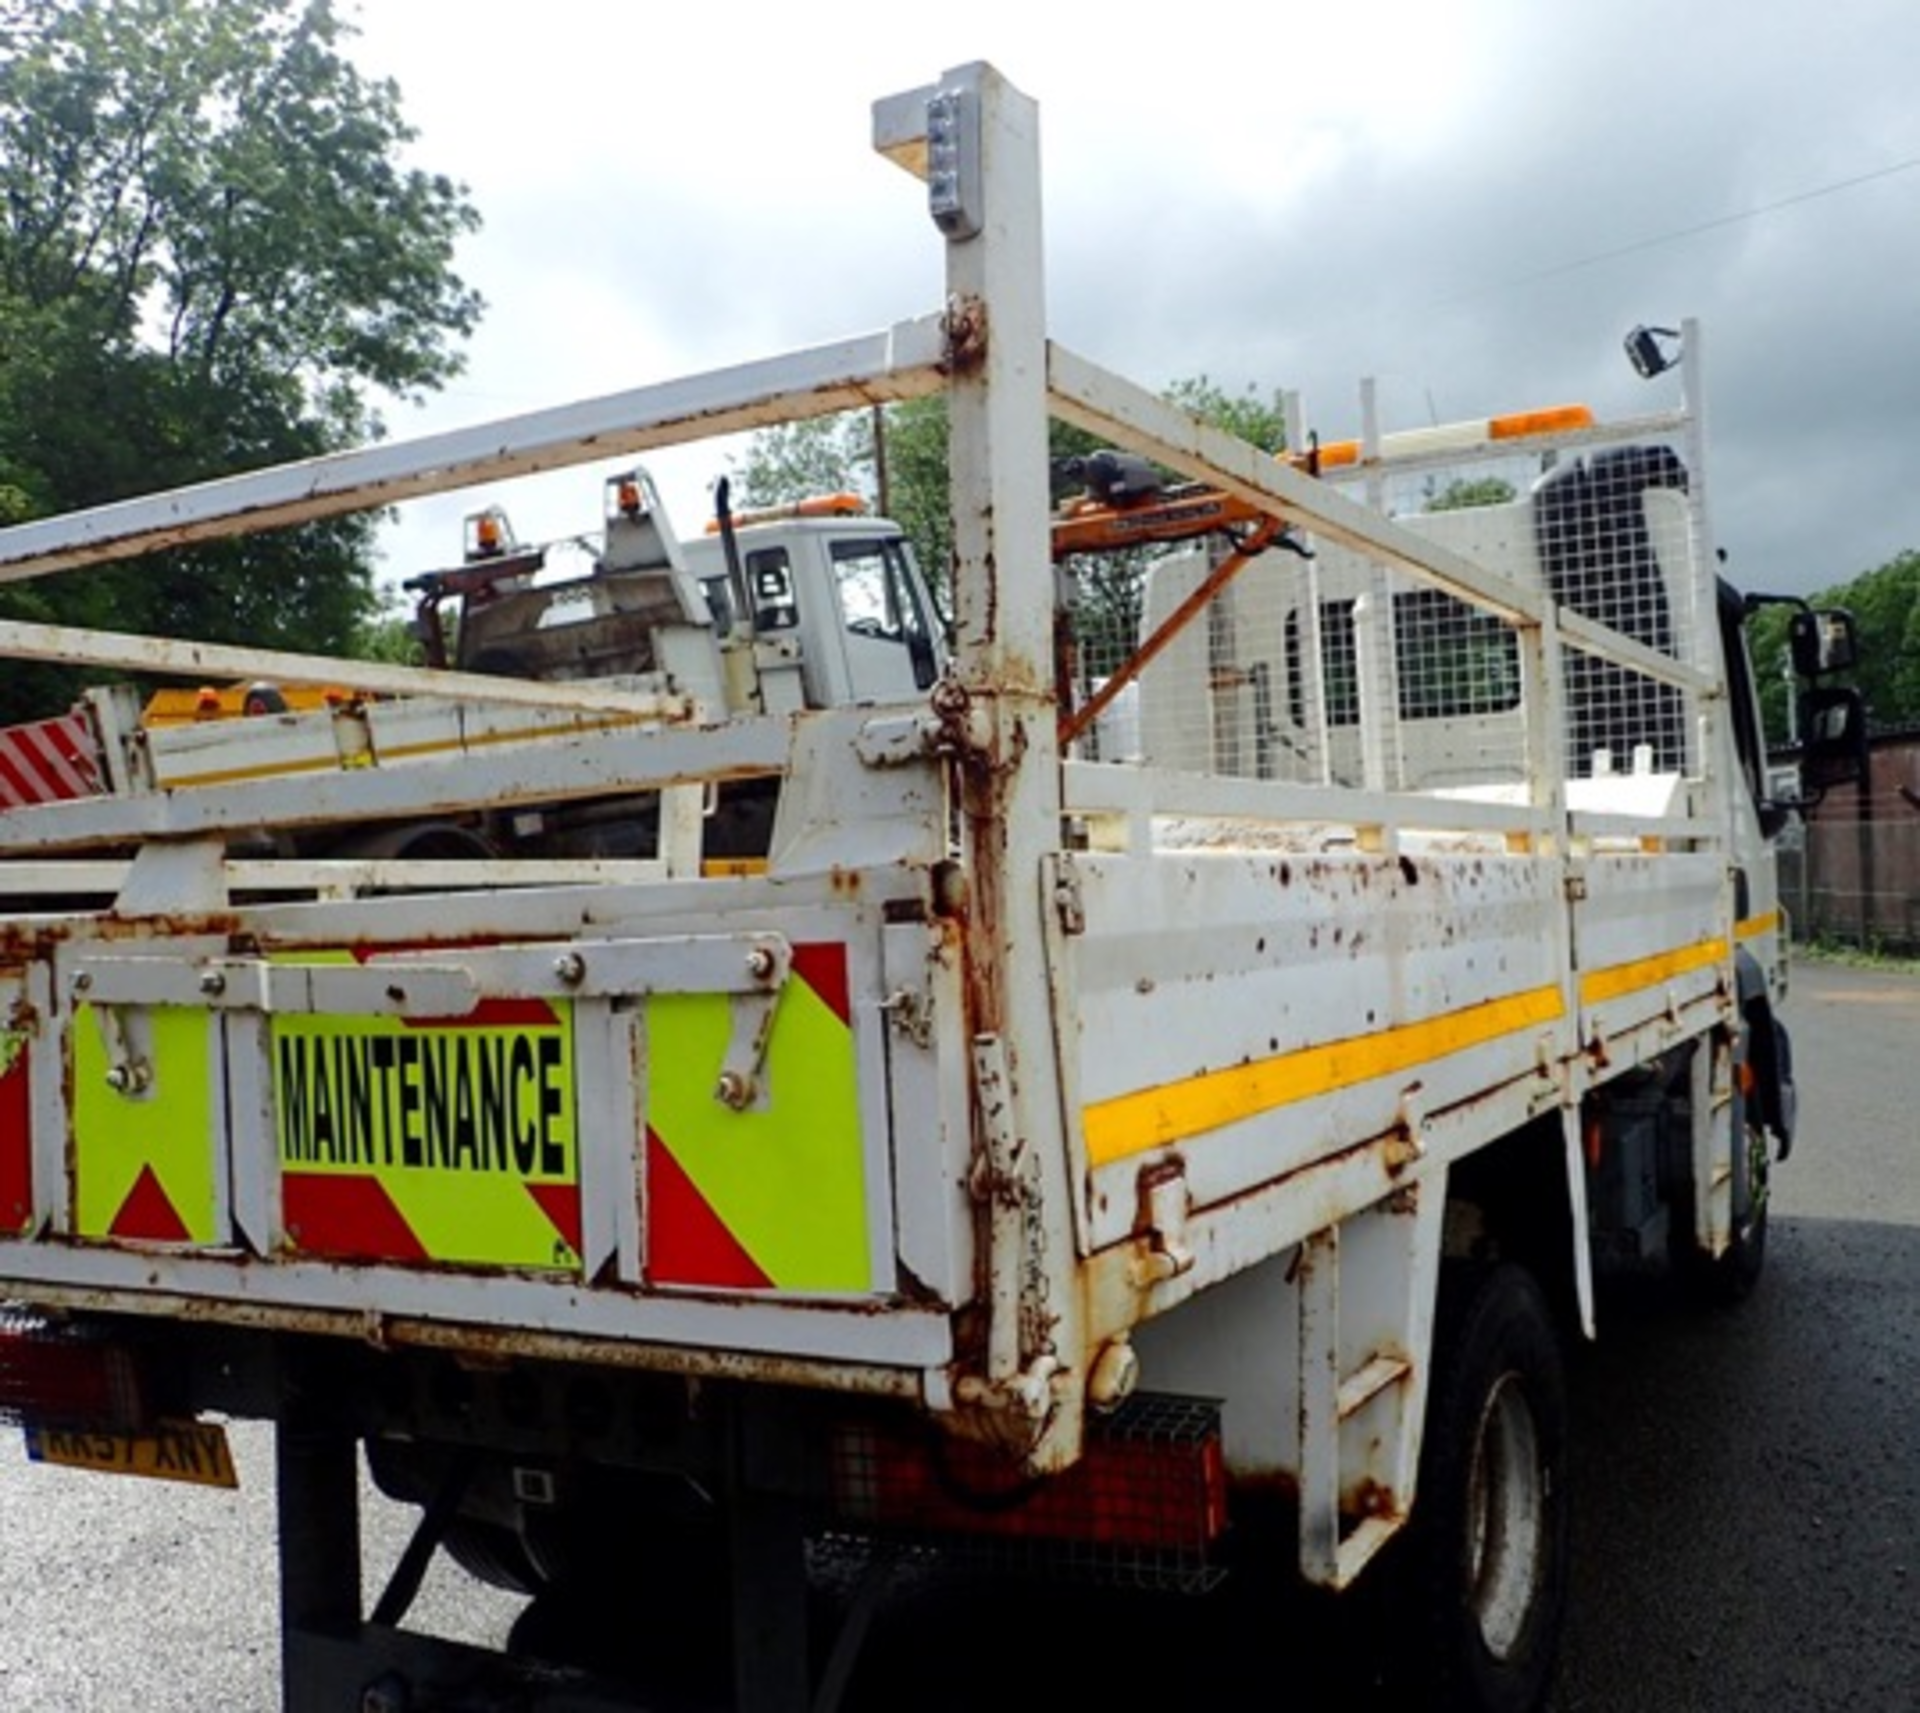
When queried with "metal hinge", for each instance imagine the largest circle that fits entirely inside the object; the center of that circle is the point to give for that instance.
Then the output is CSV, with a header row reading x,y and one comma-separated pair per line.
x,y
912,1013
1161,1249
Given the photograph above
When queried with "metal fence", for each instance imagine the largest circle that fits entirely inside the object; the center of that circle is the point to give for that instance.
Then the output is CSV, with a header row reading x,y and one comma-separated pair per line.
x,y
1851,874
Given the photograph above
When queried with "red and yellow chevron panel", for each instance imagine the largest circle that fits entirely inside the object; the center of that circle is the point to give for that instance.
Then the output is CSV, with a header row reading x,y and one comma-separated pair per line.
x,y
450,1141
48,761
773,1198
146,1164
16,1136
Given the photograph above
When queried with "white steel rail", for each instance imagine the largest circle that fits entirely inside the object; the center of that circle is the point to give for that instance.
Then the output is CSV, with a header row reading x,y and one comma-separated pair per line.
x,y
643,759
1105,404
71,646
898,363
343,877
1002,709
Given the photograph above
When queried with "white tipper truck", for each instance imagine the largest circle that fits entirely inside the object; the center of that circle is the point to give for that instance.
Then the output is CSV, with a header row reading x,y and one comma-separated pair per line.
x,y
1147,1167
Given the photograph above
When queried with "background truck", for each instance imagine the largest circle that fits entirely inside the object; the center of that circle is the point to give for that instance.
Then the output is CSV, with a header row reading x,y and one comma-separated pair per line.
x,y
831,611
1147,1170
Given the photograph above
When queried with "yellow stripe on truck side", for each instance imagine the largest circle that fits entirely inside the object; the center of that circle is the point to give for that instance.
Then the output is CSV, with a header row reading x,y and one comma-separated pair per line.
x,y
1152,1118
1599,986
1145,1119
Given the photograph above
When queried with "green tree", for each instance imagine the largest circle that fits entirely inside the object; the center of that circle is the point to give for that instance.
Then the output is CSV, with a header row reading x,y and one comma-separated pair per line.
x,y
822,455
1260,421
1885,603
1463,493
848,453
210,260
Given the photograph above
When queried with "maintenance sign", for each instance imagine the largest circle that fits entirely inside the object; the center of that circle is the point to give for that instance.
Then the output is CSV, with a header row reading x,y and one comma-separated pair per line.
x,y
451,1141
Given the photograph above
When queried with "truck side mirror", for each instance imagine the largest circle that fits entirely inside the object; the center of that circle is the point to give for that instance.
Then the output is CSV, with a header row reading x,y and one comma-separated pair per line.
x,y
1833,723
1823,640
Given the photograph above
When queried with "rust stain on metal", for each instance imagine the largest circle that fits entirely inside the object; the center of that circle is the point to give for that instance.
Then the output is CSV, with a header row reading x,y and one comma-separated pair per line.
x,y
910,1287
964,329
1368,1498
952,893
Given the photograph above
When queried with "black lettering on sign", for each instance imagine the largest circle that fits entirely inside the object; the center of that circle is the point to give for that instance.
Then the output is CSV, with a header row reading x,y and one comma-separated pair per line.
x,y
552,1097
448,1101
412,1142
188,1449
80,1447
175,1450
380,1059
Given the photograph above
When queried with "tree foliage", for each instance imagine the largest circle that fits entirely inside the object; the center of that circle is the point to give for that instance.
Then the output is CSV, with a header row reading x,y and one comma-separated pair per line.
x,y
1885,603
211,259
1464,493
1246,415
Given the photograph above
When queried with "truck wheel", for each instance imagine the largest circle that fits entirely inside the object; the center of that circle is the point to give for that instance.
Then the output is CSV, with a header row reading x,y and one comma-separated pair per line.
x,y
492,1553
1485,1569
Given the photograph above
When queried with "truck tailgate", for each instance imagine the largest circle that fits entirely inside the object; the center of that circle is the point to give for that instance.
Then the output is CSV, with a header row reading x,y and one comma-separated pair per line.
x,y
633,1132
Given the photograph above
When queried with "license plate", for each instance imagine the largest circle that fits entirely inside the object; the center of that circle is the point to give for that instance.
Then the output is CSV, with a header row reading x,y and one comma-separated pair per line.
x,y
169,1451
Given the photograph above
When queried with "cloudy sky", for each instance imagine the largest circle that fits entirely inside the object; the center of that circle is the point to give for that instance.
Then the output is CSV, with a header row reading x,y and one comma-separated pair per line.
x,y
1469,202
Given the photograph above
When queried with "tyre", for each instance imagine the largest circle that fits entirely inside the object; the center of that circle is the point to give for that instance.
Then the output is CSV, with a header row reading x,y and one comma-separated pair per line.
x,y
643,1598
1483,1573
494,1554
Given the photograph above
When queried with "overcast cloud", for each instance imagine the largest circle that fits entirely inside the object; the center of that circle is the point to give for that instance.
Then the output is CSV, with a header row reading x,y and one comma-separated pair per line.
x,y
1470,203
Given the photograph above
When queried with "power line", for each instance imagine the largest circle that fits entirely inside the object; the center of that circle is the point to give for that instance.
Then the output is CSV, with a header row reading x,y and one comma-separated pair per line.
x,y
1491,287
1719,222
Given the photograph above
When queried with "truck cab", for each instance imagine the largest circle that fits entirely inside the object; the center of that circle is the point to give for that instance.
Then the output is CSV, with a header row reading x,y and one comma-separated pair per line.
x,y
817,604
837,611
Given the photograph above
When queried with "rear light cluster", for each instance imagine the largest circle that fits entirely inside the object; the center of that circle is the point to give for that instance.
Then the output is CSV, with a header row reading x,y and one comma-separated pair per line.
x,y
58,1373
1145,1506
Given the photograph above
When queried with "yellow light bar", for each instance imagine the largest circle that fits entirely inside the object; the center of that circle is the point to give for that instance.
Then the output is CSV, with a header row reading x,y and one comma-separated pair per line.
x,y
1554,419
1454,436
488,533
819,505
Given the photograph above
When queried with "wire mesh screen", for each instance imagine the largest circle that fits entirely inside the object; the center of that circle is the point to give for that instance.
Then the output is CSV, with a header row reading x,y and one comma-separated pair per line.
x,y
1341,669
1611,532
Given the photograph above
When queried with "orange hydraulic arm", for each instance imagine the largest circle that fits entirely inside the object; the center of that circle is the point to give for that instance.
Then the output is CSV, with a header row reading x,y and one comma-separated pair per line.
x,y
1178,514
1262,533
1139,512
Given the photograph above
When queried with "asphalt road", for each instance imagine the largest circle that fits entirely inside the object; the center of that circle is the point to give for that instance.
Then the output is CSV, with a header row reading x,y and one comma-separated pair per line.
x,y
1748,1482
1747,1514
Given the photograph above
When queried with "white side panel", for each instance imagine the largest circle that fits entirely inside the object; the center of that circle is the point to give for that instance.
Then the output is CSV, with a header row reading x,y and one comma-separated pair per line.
x,y
1254,1014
